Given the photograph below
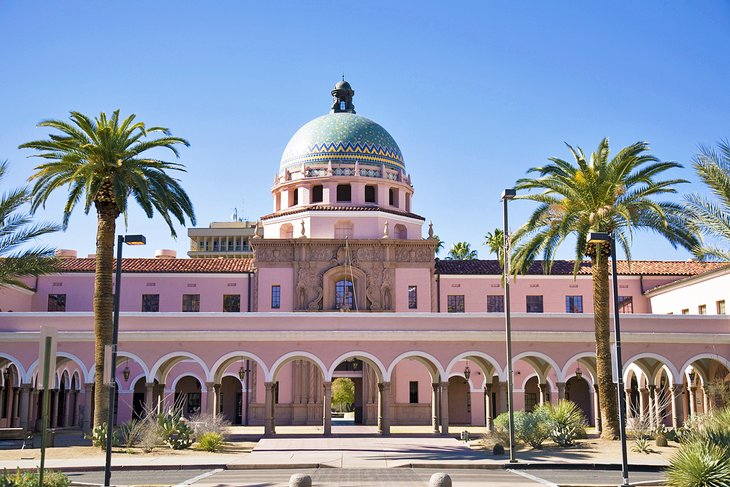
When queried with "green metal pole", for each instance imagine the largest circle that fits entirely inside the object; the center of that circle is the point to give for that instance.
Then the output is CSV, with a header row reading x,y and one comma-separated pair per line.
x,y
44,427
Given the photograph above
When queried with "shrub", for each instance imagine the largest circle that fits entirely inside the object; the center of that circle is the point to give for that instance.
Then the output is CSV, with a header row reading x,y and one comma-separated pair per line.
x,y
498,449
566,422
661,440
130,432
210,441
703,457
203,423
98,436
150,437
30,479
642,445
175,431
700,464
533,428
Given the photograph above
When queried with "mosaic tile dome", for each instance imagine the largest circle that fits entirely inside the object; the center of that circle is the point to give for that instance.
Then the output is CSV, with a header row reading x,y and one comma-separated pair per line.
x,y
339,138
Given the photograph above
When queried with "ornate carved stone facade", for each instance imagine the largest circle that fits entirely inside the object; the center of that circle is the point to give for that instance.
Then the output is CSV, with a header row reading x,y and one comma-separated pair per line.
x,y
371,264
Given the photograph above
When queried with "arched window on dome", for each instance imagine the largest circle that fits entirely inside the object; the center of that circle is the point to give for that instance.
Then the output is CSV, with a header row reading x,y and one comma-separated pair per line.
x,y
401,232
370,194
286,231
317,193
393,197
344,294
344,192
293,197
344,229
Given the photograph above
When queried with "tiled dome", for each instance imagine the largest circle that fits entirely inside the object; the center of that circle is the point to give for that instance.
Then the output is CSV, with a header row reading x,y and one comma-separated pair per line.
x,y
342,137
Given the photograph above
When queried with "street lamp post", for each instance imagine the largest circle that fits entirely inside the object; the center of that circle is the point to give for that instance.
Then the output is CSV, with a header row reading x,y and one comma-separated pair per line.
x,y
610,238
507,195
129,240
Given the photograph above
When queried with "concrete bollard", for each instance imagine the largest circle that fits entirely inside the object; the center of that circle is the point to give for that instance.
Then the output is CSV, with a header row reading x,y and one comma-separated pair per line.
x,y
440,479
304,480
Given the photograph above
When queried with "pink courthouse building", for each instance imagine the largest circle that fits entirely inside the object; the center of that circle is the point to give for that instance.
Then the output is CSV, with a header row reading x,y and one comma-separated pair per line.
x,y
344,283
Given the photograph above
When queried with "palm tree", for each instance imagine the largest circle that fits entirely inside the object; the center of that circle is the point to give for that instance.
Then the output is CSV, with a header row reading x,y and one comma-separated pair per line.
x,y
495,242
599,195
461,251
712,217
17,230
103,162
439,244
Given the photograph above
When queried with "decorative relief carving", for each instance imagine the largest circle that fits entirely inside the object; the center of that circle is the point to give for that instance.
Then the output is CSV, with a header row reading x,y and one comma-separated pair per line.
x,y
411,254
275,254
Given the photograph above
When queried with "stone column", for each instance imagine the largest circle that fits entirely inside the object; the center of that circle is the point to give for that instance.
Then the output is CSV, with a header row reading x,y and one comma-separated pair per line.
x,y
489,420
444,409
67,408
54,408
149,397
643,401
652,404
327,409
209,398
269,409
692,400
24,402
627,400
676,392
543,393
705,400
658,414
2,400
217,396
561,391
384,408
75,415
14,419
597,409
435,407
88,404
503,386
32,413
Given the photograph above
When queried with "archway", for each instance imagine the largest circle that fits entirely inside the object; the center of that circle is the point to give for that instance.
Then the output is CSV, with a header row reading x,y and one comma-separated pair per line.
x,y
187,395
366,371
459,401
578,390
231,404
487,385
237,377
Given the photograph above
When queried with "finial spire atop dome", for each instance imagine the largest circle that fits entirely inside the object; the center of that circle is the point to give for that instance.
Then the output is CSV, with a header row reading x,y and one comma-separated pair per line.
x,y
343,94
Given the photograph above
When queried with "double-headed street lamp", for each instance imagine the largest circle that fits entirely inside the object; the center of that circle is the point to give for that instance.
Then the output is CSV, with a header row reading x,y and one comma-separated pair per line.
x,y
610,239
508,194
129,240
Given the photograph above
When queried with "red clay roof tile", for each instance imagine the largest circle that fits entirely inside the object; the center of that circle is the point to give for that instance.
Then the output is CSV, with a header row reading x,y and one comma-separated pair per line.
x,y
165,265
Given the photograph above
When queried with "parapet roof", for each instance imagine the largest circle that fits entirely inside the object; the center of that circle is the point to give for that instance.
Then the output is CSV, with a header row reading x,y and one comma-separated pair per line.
x,y
565,267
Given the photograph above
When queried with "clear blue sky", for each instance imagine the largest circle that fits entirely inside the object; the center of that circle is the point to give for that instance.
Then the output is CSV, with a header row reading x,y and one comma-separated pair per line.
x,y
474,93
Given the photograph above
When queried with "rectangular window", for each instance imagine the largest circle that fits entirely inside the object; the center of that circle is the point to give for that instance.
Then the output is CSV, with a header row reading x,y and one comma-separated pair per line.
x,y
495,303
275,296
370,194
626,304
573,304
56,302
344,192
295,197
685,311
317,193
231,303
393,197
150,303
413,392
702,309
534,304
412,297
721,307
276,392
455,303
191,303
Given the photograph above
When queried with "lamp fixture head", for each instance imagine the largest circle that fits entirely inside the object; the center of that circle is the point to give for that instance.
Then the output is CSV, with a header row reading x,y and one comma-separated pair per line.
x,y
241,373
599,237
509,194
125,373
135,239
578,372
467,372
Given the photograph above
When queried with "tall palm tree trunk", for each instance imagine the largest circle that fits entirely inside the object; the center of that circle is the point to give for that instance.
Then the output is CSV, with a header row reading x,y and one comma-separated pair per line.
x,y
103,303
606,388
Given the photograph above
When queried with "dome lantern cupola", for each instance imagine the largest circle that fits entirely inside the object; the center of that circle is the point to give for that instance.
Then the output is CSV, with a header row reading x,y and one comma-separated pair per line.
x,y
343,94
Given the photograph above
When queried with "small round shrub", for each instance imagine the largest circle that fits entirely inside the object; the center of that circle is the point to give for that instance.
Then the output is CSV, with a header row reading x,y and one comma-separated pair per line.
x,y
498,450
661,440
210,442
